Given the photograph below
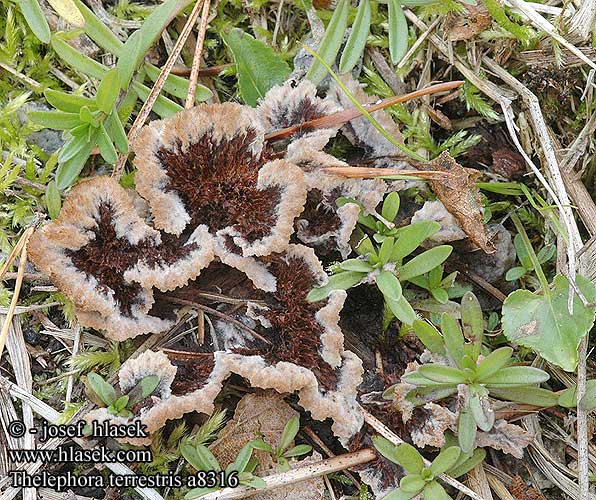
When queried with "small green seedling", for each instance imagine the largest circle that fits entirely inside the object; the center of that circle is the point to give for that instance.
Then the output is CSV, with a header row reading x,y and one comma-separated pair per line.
x,y
490,374
545,254
385,266
420,478
382,225
238,472
284,449
436,284
121,404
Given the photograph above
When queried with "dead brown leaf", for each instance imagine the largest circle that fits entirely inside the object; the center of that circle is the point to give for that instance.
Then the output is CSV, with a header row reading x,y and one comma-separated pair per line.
x,y
522,491
461,197
264,415
469,24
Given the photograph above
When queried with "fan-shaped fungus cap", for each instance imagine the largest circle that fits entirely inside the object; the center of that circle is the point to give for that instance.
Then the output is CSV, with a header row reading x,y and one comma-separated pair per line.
x,y
105,258
305,355
208,165
323,224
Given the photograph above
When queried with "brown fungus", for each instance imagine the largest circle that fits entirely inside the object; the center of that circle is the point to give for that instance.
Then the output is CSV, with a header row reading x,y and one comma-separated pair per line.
x,y
208,165
306,354
323,224
103,256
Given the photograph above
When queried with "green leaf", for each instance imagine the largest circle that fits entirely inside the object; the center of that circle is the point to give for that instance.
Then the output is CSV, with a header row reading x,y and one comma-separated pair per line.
x,y
258,66
385,448
57,120
402,310
515,273
357,39
129,59
259,444
453,338
405,454
339,281
528,395
568,397
445,460
472,321
398,31
163,106
357,265
76,60
424,262
517,375
296,451
104,391
243,458
468,463
98,31
143,389
411,236
198,493
386,250
108,91
389,285
53,200
35,19
399,494
116,132
542,322
106,148
440,295
72,147
434,491
68,171
200,457
331,42
365,247
412,483
290,431
70,103
493,363
466,430
443,374
429,336
483,415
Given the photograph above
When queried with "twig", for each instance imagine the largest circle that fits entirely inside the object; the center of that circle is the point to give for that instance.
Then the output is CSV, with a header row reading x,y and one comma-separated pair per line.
x,y
159,83
196,60
19,282
340,117
365,172
378,426
293,476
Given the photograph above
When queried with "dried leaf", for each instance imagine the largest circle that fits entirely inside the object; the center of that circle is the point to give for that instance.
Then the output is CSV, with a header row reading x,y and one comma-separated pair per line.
x,y
461,197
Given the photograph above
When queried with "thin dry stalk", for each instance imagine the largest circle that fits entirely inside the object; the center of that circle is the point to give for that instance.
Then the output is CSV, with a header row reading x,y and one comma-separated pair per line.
x,y
17,288
299,474
384,431
159,83
341,117
365,172
196,60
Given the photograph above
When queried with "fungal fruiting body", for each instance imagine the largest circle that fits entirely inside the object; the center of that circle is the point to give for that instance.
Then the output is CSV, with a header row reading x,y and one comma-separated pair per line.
x,y
216,191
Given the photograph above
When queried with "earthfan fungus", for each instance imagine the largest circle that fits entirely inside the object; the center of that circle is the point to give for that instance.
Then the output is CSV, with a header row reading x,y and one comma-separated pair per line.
x,y
305,354
106,258
210,166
